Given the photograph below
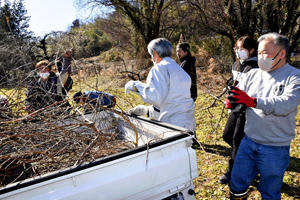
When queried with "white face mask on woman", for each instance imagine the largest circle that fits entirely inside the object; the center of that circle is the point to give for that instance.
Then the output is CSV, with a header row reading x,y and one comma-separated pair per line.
x,y
242,55
44,75
266,64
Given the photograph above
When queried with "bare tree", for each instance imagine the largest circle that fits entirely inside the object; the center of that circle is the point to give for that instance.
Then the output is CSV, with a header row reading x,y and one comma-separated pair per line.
x,y
236,18
145,16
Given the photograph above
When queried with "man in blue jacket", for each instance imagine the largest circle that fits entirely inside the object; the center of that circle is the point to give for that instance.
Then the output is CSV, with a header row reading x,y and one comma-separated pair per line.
x,y
94,99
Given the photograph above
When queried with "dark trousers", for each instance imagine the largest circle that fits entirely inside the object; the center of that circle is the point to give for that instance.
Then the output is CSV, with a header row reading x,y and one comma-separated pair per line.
x,y
234,133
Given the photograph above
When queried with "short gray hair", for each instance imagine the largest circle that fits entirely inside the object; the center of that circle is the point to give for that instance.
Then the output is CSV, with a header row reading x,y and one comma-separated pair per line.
x,y
162,46
278,40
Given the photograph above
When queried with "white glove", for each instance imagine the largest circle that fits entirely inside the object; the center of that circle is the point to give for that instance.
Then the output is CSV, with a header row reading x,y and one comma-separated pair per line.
x,y
153,114
130,86
139,110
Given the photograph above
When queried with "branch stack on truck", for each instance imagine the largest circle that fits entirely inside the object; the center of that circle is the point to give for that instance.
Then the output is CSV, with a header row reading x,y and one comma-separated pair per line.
x,y
161,163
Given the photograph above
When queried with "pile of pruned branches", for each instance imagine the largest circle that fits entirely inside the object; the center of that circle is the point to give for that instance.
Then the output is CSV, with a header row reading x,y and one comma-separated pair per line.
x,y
55,138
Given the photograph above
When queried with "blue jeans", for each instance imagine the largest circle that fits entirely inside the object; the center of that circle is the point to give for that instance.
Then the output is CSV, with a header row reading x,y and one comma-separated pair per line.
x,y
269,161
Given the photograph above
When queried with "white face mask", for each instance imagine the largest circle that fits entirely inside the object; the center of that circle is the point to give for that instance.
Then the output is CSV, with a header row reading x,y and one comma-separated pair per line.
x,y
242,54
266,64
154,62
44,75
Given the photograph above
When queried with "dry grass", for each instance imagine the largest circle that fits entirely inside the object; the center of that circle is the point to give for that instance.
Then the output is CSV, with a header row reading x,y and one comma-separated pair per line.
x,y
212,162
212,159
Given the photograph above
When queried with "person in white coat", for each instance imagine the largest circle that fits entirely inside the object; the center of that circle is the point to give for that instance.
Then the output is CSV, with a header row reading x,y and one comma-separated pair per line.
x,y
167,87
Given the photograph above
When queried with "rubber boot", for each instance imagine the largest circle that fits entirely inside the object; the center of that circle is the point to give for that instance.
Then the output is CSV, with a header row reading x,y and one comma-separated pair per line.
x,y
238,196
225,178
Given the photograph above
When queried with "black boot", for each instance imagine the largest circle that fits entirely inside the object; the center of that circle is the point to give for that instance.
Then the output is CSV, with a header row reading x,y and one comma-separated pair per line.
x,y
225,179
238,196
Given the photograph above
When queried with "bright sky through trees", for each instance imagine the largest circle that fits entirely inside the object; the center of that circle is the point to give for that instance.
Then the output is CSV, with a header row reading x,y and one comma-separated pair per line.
x,y
49,15
55,15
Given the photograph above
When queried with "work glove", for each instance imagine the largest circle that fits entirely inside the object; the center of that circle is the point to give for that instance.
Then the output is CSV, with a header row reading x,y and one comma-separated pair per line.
x,y
130,86
234,107
238,96
139,110
227,103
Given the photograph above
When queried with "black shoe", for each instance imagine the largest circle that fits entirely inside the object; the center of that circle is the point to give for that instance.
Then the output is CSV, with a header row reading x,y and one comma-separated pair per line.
x,y
225,179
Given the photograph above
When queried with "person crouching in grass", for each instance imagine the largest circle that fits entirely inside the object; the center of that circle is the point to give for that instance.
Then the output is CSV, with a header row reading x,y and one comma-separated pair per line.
x,y
94,100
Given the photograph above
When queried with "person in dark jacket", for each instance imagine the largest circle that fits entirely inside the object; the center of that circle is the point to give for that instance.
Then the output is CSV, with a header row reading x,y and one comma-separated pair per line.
x,y
65,72
42,89
246,55
188,64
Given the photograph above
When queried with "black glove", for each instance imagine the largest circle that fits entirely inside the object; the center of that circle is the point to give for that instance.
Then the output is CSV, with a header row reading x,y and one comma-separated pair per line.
x,y
236,107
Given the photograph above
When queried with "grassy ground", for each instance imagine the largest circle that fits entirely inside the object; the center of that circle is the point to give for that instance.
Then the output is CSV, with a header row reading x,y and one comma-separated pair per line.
x,y
212,159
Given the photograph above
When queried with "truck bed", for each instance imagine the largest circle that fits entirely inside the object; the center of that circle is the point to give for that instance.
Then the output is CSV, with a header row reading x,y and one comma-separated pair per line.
x,y
162,163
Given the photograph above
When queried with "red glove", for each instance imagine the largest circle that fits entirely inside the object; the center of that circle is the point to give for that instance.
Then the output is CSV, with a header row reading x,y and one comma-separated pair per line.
x,y
242,97
227,103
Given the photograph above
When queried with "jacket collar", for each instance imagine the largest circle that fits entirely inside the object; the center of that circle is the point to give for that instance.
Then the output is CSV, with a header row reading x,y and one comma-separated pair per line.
x,y
185,57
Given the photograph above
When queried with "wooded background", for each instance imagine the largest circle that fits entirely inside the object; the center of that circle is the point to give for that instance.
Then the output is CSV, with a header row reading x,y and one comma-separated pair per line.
x,y
115,44
211,27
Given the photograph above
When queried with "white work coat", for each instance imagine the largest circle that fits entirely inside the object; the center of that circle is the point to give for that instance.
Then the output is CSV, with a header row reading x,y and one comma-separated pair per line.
x,y
168,89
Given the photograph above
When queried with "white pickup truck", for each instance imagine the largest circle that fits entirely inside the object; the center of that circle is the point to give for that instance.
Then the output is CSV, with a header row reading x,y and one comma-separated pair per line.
x,y
163,164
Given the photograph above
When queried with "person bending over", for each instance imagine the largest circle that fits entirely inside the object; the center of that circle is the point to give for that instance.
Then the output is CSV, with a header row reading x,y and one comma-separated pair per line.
x,y
94,100
167,87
